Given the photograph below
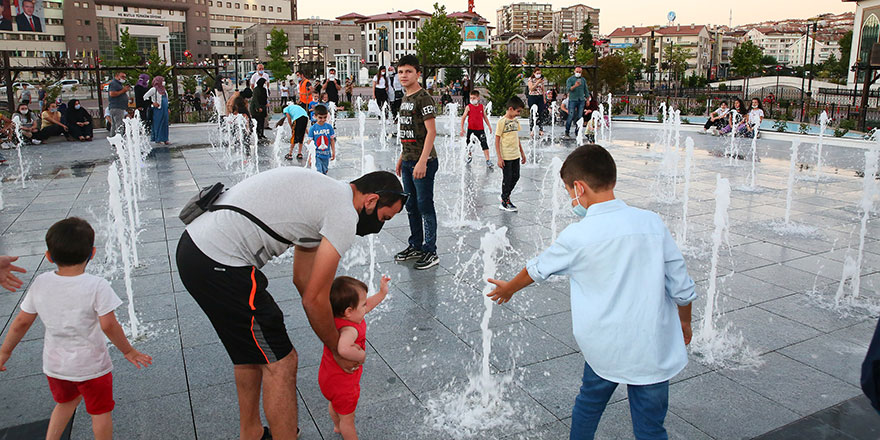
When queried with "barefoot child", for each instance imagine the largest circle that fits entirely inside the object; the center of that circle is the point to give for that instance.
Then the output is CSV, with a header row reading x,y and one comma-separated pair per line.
x,y
509,150
630,296
298,119
475,115
348,298
77,310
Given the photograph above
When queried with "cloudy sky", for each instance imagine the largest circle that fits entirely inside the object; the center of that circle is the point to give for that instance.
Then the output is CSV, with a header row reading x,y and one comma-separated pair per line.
x,y
613,13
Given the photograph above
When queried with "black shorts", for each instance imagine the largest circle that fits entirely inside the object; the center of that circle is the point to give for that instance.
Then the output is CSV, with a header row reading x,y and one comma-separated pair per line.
x,y
481,135
299,129
248,321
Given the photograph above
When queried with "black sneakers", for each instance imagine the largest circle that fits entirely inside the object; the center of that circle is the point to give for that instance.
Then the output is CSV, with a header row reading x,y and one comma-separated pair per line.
x,y
507,205
428,260
408,254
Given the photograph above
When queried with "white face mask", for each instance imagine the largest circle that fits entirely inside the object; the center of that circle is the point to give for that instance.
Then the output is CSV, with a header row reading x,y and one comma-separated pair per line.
x,y
475,101
331,77
577,74
537,75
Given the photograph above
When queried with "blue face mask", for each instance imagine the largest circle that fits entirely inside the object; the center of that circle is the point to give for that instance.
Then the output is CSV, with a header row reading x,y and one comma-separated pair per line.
x,y
77,106
579,209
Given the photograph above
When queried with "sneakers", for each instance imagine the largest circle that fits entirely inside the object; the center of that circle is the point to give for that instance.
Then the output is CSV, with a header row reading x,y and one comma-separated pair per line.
x,y
36,141
408,254
566,136
428,260
507,205
469,159
489,164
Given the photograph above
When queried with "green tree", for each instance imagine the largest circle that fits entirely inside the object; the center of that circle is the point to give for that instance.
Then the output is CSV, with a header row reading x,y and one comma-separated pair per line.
x,y
586,38
745,61
768,60
845,43
454,74
439,40
503,82
127,54
549,54
632,59
189,83
156,66
611,75
676,57
277,50
531,58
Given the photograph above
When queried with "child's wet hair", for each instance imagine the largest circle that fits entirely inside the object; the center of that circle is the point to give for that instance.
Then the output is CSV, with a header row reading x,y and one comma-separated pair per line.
x,y
591,164
345,292
70,241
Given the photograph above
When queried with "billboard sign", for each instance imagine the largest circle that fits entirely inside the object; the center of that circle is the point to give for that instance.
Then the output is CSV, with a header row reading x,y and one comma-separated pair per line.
x,y
475,33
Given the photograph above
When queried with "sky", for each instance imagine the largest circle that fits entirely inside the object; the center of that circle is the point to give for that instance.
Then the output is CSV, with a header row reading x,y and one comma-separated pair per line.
x,y
613,13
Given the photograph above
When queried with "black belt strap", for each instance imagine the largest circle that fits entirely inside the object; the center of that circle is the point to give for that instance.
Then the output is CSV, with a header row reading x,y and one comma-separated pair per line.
x,y
254,219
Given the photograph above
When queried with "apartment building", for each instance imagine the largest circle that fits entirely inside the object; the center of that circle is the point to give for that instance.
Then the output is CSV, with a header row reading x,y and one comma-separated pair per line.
x,y
525,17
571,20
695,38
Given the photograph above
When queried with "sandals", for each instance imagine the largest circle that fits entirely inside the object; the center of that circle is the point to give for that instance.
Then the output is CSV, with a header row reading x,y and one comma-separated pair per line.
x,y
299,156
288,156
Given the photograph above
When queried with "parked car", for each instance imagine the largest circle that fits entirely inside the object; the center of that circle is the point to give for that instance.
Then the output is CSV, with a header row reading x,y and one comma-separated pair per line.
x,y
16,86
66,84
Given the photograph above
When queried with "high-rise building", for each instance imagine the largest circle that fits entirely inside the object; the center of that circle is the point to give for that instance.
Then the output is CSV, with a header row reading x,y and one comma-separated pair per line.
x,y
525,17
388,36
571,20
695,39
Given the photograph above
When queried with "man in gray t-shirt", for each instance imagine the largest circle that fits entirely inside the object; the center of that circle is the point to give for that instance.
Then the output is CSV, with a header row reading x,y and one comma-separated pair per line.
x,y
118,102
221,252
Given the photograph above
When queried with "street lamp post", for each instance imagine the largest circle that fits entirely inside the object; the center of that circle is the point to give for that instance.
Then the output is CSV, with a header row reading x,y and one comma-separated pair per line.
x,y
235,46
803,72
812,59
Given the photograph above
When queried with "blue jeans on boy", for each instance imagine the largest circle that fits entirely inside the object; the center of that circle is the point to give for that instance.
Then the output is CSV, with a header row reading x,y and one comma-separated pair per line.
x,y
322,163
420,205
647,404
575,113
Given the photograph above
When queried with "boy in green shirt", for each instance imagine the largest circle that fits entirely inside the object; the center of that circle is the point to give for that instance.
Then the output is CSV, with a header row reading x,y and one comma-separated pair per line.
x,y
509,150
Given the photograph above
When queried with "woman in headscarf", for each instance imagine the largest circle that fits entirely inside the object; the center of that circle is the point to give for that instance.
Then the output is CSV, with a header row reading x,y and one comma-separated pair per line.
x,y
79,121
258,106
143,107
62,110
159,101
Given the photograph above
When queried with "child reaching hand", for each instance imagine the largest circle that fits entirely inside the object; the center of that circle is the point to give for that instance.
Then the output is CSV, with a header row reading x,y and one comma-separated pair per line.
x,y
348,298
76,309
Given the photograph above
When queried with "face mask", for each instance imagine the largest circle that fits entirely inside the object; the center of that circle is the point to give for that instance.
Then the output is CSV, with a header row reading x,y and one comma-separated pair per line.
x,y
369,223
754,105
537,75
578,210
77,106
53,110
331,77
577,74
475,101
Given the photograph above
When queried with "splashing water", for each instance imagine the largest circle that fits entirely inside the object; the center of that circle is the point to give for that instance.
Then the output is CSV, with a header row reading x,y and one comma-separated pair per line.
x,y
122,235
852,269
22,167
685,196
714,346
753,173
383,119
551,177
280,145
481,405
823,124
553,109
580,132
792,166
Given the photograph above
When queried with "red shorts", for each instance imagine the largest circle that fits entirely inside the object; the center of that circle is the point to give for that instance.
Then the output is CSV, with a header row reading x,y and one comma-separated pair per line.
x,y
97,392
343,392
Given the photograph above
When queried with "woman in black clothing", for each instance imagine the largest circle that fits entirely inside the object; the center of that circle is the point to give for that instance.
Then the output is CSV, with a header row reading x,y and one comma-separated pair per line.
x,y
258,106
380,87
143,106
79,121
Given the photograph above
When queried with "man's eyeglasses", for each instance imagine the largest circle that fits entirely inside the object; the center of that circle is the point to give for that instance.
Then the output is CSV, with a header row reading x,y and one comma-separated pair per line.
x,y
403,196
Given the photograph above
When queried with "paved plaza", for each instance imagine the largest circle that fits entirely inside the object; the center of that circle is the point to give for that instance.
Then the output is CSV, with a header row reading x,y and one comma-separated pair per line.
x,y
775,290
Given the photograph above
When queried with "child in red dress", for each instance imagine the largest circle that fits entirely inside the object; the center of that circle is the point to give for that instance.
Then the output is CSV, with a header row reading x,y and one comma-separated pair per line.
x,y
348,298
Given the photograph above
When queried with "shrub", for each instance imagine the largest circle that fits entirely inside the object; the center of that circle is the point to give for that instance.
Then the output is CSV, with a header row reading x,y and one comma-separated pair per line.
x,y
722,87
618,108
685,121
804,128
780,125
840,132
278,109
639,110
848,124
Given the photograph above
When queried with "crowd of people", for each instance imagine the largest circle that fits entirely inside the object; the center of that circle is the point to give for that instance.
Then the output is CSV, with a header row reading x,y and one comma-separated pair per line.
x,y
742,120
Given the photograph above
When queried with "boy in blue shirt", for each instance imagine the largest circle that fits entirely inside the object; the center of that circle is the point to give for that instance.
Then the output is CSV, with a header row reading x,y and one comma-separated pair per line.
x,y
298,119
324,137
630,296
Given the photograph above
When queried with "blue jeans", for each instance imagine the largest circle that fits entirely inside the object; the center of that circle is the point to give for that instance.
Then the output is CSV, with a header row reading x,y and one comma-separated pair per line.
x,y
647,403
420,205
575,113
322,163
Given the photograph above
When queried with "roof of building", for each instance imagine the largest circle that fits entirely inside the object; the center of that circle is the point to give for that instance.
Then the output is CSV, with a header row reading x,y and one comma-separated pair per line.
x,y
307,22
351,16
396,15
536,35
465,15
637,31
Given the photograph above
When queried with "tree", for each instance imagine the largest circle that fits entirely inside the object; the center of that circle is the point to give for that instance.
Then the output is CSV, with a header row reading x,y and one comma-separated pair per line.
x,y
126,52
454,74
769,60
549,54
531,58
745,60
611,76
277,50
55,61
676,58
189,83
439,40
632,59
503,82
845,43
586,38
156,66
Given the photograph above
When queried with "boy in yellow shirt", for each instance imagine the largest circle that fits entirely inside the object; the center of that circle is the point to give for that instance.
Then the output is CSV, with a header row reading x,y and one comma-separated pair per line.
x,y
509,150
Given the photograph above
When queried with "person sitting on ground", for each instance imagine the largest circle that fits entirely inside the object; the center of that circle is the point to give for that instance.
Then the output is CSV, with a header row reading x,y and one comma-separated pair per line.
x,y
753,123
62,110
563,108
717,119
7,129
589,109
79,120
77,311
29,125
349,302
52,125
735,117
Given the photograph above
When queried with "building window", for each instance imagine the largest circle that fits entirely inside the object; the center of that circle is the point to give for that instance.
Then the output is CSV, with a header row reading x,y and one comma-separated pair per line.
x,y
263,8
306,37
271,9
279,9
89,38
75,4
350,37
238,6
79,22
337,51
337,37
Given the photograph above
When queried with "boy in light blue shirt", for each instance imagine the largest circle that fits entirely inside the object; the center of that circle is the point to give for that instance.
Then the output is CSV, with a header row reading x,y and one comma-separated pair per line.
x,y
324,137
631,296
